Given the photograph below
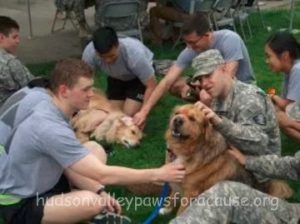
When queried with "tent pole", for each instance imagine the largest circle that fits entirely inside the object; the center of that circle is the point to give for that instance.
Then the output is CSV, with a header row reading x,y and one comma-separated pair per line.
x,y
29,19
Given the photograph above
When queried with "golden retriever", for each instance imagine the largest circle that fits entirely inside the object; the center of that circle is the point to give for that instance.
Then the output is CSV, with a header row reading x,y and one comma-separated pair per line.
x,y
103,122
192,141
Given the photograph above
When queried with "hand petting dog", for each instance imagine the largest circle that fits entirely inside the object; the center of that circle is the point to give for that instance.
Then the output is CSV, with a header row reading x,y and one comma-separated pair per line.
x,y
209,114
237,155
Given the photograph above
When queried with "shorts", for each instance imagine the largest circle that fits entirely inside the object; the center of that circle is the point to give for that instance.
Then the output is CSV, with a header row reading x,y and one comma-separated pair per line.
x,y
120,90
30,210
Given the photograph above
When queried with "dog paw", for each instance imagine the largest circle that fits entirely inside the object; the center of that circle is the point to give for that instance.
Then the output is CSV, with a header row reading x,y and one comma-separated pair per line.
x,y
165,211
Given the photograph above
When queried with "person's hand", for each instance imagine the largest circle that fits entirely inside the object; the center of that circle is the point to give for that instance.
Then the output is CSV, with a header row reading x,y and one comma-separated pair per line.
x,y
139,118
205,97
237,155
283,120
209,114
171,172
110,203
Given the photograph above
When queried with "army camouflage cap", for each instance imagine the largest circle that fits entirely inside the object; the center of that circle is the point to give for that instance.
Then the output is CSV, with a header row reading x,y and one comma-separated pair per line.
x,y
206,62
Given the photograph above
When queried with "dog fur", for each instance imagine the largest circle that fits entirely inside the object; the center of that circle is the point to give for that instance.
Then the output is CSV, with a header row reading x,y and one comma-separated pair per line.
x,y
192,141
103,122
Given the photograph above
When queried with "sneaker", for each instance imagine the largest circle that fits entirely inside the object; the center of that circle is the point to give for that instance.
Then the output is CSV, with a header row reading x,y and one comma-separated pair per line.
x,y
110,218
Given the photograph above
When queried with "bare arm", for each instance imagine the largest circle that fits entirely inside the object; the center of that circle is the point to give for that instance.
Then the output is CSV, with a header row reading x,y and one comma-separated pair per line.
x,y
150,86
91,167
289,126
280,102
164,85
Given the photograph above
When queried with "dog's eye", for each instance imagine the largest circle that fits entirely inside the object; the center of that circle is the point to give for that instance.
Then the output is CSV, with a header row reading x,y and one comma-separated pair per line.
x,y
192,118
133,132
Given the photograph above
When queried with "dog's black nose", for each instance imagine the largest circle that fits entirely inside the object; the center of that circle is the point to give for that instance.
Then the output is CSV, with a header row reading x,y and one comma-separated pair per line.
x,y
178,121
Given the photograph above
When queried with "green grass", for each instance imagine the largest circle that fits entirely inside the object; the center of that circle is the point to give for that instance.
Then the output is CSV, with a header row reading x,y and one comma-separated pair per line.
x,y
152,150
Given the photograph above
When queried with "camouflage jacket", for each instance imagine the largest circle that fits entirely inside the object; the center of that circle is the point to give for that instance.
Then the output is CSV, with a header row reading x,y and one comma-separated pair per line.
x,y
249,120
13,75
287,167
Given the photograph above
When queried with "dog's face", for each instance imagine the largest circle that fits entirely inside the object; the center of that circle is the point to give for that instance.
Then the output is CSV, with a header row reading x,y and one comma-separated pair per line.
x,y
187,123
128,133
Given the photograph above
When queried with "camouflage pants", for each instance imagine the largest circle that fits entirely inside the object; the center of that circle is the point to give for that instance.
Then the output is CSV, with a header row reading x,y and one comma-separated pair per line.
x,y
78,6
232,202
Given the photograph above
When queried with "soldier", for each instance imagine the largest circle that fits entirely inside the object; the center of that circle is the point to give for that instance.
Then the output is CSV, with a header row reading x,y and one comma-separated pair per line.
x,y
231,202
13,74
198,38
241,112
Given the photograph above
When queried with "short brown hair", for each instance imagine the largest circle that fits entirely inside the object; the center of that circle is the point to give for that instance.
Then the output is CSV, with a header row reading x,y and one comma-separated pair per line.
x,y
68,71
198,23
7,24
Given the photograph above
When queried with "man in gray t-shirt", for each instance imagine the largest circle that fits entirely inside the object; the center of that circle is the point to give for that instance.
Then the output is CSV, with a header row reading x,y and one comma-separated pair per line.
x,y
17,107
198,38
43,147
13,74
128,65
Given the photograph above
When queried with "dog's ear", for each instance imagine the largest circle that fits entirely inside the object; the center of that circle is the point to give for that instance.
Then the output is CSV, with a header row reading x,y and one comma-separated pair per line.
x,y
128,121
111,134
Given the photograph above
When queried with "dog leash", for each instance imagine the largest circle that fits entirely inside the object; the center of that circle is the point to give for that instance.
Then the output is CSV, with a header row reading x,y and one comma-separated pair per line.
x,y
163,194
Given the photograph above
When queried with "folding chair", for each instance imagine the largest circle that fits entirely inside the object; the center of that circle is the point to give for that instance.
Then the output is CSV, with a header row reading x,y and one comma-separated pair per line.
x,y
241,17
256,8
123,16
223,7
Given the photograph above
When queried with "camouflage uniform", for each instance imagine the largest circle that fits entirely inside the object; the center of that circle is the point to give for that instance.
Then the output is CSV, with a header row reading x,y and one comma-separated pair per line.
x,y
248,115
248,120
244,204
78,6
13,75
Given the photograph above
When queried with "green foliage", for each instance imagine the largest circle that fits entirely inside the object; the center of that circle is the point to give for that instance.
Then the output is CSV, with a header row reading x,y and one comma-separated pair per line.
x,y
151,152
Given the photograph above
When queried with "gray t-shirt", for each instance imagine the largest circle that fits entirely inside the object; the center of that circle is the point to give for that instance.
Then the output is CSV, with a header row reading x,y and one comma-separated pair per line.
x,y
42,146
134,61
17,107
231,47
291,84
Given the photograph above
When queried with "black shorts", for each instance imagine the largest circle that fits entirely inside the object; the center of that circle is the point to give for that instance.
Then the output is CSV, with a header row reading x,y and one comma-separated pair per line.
x,y
120,90
31,210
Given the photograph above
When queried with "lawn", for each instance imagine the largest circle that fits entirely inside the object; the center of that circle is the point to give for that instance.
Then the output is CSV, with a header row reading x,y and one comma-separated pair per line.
x,y
151,152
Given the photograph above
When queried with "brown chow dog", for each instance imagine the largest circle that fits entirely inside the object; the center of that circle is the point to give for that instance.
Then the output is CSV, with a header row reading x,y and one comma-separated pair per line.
x,y
192,141
103,122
